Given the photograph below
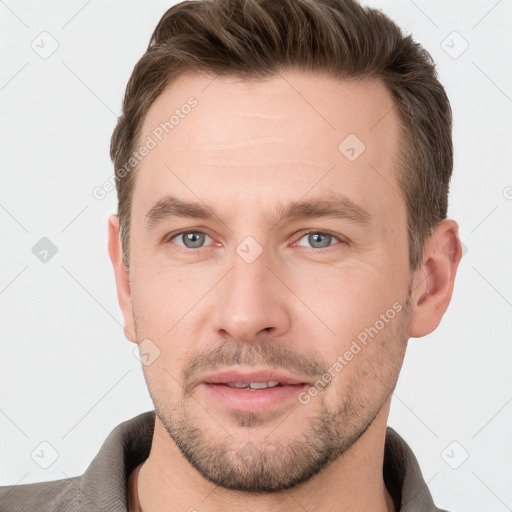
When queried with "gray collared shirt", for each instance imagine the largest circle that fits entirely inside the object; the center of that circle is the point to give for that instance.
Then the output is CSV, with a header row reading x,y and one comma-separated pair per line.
x,y
104,485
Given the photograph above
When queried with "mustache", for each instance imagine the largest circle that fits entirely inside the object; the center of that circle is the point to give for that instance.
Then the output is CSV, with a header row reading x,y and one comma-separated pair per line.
x,y
264,352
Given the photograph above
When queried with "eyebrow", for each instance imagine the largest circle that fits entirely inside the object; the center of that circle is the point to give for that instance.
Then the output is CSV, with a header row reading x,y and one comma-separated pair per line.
x,y
335,206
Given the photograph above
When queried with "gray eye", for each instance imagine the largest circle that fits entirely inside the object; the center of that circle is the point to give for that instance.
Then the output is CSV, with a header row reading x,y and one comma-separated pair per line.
x,y
191,239
319,240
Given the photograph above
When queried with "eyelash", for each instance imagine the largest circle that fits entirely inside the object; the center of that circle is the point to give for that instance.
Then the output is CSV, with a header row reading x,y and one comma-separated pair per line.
x,y
315,249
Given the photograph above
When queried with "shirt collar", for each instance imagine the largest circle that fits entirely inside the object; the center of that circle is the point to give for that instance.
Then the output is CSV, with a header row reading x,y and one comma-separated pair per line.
x,y
104,485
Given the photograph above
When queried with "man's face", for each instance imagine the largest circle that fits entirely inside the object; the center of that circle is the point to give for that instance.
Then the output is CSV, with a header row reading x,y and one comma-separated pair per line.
x,y
266,289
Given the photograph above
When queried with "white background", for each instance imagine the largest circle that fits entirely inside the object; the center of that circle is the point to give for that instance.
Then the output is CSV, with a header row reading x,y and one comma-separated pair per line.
x,y
67,374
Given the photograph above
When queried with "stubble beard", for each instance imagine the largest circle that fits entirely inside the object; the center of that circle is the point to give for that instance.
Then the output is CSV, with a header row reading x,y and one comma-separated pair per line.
x,y
270,464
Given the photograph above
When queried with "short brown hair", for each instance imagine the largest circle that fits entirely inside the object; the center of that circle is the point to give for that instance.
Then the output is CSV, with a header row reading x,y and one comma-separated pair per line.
x,y
254,39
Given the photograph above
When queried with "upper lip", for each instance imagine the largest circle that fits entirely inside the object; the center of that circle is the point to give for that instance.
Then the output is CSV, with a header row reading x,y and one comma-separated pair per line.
x,y
248,376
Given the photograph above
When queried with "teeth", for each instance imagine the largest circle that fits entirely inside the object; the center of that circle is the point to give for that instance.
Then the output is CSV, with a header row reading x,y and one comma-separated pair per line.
x,y
258,385
254,385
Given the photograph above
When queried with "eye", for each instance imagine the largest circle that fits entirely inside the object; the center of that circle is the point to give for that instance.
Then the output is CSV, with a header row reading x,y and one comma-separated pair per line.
x,y
190,239
198,239
319,239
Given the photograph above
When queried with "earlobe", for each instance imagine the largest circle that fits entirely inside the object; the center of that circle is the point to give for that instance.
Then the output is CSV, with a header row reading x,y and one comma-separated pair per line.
x,y
121,277
433,282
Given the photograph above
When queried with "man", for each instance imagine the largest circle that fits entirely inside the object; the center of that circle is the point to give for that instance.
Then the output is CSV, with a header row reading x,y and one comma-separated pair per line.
x,y
282,174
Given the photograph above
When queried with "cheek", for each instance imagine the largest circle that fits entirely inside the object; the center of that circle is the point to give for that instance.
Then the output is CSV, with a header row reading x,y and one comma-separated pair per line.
x,y
162,298
367,367
363,309
349,298
164,317
163,375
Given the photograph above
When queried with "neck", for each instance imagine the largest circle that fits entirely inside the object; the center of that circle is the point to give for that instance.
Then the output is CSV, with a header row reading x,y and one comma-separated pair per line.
x,y
354,482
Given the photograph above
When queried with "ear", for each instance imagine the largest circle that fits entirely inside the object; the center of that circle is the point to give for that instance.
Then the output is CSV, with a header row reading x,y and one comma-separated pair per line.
x,y
433,281
122,277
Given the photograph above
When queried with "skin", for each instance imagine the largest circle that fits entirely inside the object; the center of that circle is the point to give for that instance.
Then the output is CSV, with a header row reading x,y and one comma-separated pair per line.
x,y
246,147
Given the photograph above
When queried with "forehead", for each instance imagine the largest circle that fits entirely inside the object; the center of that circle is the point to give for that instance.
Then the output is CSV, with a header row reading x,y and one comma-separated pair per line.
x,y
245,139
305,104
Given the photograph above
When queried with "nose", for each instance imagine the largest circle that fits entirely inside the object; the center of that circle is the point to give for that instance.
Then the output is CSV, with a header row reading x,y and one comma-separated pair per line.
x,y
252,301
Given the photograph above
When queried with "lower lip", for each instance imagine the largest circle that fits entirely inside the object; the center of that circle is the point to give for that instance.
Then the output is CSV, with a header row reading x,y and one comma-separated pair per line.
x,y
248,400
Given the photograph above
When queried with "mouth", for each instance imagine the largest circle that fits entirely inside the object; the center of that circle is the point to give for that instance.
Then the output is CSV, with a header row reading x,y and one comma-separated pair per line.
x,y
254,385
254,378
252,390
